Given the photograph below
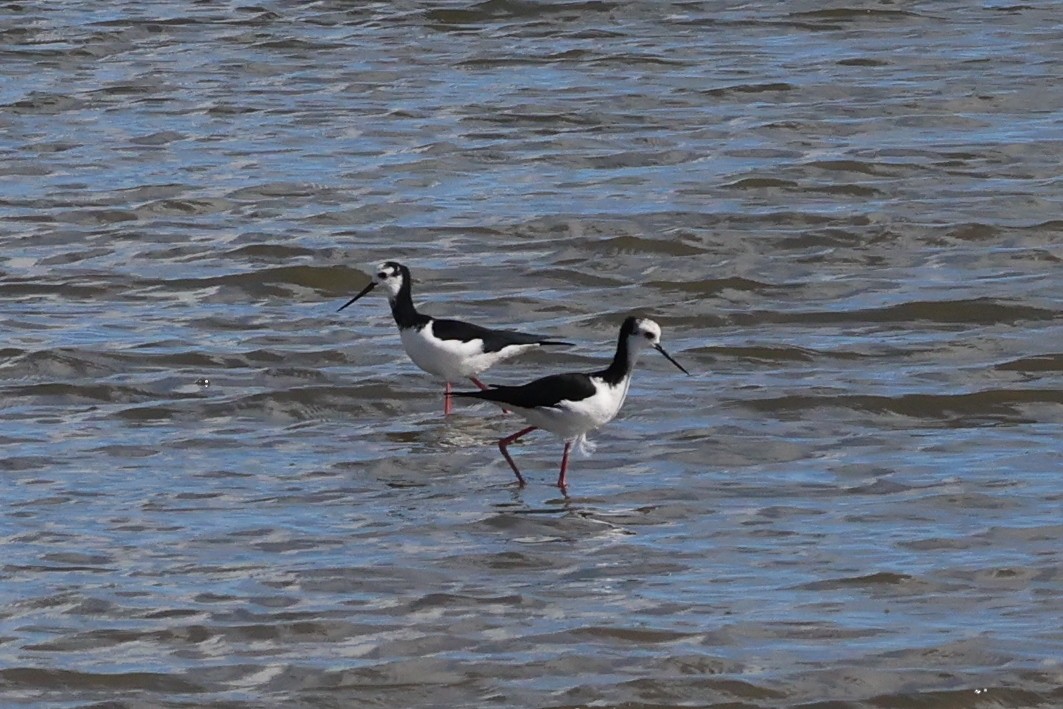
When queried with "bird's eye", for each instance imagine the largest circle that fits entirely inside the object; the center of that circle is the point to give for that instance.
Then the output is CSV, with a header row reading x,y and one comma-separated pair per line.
x,y
648,335
381,275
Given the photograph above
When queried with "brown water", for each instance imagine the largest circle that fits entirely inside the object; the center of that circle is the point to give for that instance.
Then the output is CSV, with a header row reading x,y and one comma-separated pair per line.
x,y
218,492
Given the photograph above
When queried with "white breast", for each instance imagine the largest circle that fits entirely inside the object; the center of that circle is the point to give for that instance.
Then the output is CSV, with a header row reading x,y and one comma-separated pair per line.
x,y
570,419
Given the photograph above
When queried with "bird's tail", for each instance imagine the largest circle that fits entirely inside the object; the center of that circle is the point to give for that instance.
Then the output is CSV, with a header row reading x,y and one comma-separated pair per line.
x,y
585,446
555,343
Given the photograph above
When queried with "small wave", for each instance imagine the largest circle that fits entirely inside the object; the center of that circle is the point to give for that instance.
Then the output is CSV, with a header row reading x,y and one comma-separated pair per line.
x,y
761,354
995,696
60,363
35,678
854,13
639,635
63,392
630,244
759,183
183,207
270,282
1037,363
277,252
991,405
862,61
973,311
509,9
74,290
714,285
749,89
881,578
312,403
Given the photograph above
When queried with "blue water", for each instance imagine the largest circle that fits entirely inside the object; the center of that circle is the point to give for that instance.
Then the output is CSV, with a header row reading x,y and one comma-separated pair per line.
x,y
220,492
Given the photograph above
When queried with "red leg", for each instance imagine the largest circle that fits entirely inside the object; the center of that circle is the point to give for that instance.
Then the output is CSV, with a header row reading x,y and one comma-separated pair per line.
x,y
446,400
505,454
561,482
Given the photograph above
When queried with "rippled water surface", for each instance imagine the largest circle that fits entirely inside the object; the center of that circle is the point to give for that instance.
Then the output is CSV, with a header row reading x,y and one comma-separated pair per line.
x,y
220,492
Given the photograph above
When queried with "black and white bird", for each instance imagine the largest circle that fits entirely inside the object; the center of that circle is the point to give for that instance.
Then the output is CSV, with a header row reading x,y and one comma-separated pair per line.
x,y
572,405
450,349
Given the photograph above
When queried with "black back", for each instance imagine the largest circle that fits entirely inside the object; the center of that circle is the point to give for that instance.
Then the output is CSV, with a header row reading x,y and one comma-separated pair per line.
x,y
494,340
406,316
541,393
551,390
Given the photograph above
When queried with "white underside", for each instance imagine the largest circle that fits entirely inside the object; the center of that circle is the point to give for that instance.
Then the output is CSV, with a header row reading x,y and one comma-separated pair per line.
x,y
453,360
573,419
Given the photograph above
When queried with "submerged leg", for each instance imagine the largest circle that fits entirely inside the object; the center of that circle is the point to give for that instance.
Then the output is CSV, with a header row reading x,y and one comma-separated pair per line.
x,y
447,406
505,454
561,482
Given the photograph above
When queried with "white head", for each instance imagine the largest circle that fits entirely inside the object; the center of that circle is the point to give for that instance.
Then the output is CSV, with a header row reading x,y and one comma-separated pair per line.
x,y
645,333
642,333
391,275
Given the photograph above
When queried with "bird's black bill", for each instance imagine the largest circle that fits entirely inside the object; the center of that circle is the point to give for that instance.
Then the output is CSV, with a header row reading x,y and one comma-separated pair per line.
x,y
365,290
669,358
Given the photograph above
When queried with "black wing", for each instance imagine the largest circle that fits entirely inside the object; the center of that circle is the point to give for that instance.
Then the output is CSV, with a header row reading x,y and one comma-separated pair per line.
x,y
494,340
548,391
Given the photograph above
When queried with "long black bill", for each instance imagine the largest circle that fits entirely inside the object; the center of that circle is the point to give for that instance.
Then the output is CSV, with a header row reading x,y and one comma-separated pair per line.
x,y
365,290
669,358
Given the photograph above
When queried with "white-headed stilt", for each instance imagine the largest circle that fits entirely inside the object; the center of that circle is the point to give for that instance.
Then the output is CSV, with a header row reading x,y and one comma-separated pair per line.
x,y
450,349
571,405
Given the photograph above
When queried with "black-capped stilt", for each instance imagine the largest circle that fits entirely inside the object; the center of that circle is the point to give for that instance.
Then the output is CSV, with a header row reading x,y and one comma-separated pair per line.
x,y
572,405
450,349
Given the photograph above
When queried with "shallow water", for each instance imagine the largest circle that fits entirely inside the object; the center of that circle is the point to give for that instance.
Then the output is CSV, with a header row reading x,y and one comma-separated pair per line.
x,y
219,492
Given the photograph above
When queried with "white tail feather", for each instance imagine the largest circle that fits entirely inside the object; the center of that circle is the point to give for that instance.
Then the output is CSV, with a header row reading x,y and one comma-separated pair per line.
x,y
585,446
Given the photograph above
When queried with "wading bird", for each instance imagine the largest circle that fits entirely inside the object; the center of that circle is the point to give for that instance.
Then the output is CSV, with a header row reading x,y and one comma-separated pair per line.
x,y
572,405
450,349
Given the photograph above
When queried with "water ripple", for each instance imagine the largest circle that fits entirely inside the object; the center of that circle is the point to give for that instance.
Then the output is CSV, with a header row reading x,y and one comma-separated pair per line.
x,y
221,492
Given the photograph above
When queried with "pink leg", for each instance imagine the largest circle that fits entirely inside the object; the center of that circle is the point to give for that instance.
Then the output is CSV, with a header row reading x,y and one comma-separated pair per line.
x,y
484,387
561,482
505,454
446,400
